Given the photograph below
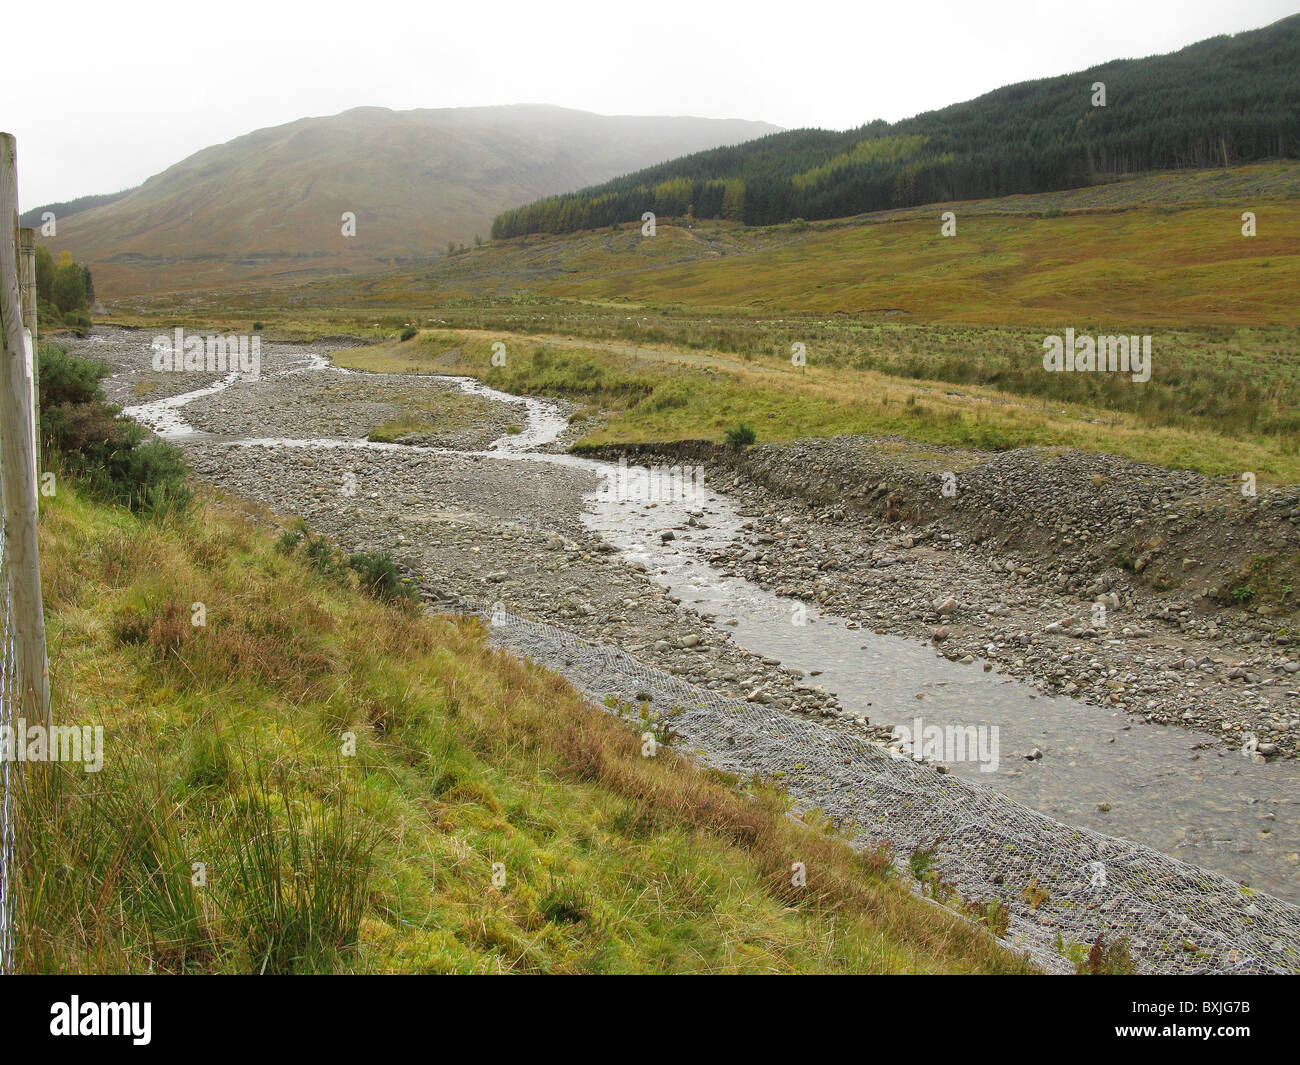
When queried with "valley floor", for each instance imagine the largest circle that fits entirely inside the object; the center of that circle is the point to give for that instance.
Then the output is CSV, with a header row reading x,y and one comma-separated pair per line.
x,y
489,529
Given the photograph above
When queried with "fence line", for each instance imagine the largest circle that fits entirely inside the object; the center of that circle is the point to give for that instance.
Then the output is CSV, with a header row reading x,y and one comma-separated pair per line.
x,y
24,669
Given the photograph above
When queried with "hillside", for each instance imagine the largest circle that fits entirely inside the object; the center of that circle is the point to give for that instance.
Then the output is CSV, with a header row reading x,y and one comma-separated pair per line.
x,y
67,208
1224,101
269,204
1156,250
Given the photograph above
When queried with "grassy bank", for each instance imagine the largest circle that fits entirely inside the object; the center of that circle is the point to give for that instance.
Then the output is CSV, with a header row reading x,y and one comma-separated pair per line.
x,y
1223,408
348,773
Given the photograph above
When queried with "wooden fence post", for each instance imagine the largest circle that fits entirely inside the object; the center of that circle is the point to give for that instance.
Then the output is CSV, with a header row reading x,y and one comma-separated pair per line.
x,y
18,459
27,277
27,288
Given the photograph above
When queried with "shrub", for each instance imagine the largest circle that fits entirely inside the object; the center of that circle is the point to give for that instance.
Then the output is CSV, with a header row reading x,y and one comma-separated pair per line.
x,y
1106,959
321,556
921,859
409,332
740,435
992,914
70,288
148,477
380,577
109,453
377,573
289,539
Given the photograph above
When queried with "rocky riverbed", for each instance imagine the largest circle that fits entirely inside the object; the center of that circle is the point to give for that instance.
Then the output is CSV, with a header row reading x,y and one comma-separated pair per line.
x,y
471,526
1088,575
494,531
1036,564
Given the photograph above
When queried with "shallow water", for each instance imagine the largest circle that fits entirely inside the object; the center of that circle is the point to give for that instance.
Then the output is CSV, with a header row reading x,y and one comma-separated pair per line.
x,y
1210,807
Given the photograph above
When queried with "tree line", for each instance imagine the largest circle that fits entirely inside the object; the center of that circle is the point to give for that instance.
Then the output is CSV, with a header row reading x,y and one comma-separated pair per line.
x,y
65,291
1222,102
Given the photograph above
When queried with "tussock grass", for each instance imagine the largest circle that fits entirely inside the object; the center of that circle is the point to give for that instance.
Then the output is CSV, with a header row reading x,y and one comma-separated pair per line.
x,y
1216,403
1186,266
228,744
431,415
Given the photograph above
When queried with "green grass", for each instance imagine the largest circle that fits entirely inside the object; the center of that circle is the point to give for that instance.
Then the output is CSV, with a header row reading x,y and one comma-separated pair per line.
x,y
1213,410
431,415
1190,265
226,744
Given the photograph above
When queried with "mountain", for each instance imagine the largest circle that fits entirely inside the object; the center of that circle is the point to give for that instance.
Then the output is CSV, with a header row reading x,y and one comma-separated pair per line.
x,y
1221,102
269,204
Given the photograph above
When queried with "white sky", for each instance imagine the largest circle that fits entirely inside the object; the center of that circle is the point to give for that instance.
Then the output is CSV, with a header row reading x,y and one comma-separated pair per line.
x,y
115,92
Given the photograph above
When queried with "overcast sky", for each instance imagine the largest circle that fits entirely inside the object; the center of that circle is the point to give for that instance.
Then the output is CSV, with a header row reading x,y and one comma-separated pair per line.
x,y
115,92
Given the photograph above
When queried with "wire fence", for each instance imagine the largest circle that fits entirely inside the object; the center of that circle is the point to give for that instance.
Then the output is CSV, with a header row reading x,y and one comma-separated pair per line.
x,y
8,720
